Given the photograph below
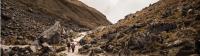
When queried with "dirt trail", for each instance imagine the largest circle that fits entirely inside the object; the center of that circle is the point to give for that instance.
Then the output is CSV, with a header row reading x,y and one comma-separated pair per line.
x,y
76,40
75,52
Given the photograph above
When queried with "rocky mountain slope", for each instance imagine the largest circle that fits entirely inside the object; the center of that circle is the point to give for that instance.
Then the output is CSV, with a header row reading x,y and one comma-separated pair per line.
x,y
25,22
166,28
28,18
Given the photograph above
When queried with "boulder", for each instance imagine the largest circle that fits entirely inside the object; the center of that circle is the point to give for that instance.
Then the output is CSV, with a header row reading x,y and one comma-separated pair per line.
x,y
159,27
62,54
52,35
97,50
166,13
55,39
51,31
33,48
46,51
186,50
190,11
84,49
59,49
87,46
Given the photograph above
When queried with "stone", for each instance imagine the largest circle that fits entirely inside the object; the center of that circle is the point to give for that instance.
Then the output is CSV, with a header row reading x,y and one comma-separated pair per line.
x,y
20,37
166,13
159,27
63,54
45,50
186,50
33,48
45,44
197,17
51,31
97,50
87,46
131,47
190,11
84,49
60,49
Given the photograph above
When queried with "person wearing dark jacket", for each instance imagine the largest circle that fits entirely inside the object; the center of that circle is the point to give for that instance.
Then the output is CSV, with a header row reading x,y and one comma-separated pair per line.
x,y
73,47
68,46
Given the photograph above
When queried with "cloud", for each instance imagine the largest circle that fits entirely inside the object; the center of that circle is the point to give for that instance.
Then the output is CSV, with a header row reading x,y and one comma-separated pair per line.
x,y
117,9
113,2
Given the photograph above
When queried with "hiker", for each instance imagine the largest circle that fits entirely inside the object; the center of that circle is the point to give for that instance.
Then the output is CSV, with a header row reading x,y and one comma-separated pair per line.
x,y
73,47
68,46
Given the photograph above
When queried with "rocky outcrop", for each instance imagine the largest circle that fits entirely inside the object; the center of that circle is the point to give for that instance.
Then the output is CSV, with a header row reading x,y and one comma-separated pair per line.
x,y
166,28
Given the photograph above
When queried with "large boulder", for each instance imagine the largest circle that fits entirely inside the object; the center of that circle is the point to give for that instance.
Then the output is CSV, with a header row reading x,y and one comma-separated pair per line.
x,y
84,49
52,30
97,50
52,35
159,27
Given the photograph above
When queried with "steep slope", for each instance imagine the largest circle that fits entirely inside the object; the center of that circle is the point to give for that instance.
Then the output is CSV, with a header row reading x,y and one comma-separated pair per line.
x,y
168,27
43,27
28,18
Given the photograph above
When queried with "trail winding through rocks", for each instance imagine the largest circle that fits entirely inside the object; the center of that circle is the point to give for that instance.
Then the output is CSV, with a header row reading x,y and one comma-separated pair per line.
x,y
76,40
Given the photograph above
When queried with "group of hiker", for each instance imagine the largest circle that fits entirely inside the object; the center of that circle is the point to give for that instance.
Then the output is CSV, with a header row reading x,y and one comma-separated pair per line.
x,y
71,45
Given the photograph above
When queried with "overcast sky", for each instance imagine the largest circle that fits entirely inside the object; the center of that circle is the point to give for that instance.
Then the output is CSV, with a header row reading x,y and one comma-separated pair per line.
x,y
115,10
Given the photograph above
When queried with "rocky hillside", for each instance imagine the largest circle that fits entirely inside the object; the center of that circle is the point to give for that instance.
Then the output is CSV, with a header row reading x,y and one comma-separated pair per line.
x,y
166,28
48,24
28,18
